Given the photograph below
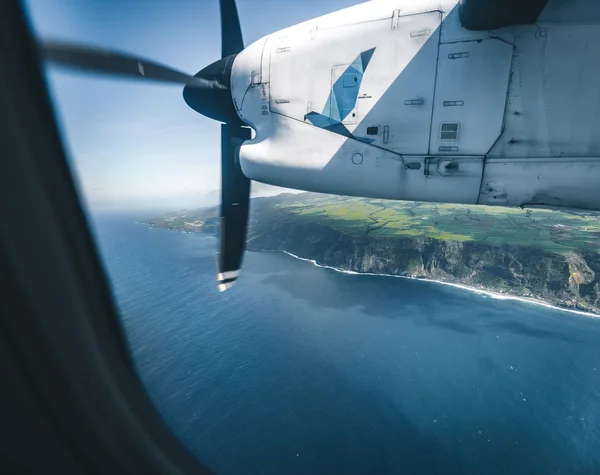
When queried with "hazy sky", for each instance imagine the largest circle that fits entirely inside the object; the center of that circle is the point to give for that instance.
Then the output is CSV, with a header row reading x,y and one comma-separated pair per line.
x,y
134,144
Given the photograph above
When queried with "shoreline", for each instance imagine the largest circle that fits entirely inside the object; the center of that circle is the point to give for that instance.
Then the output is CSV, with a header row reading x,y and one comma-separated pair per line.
x,y
489,293
484,292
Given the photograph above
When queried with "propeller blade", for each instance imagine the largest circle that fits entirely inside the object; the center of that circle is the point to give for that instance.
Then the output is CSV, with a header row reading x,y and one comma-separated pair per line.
x,y
231,32
235,204
103,61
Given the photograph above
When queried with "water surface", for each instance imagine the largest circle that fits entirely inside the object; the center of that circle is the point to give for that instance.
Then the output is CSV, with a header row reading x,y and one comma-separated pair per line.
x,y
304,370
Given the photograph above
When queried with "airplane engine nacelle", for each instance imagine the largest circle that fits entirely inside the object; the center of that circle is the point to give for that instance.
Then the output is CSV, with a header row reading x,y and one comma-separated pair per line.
x,y
343,104
397,99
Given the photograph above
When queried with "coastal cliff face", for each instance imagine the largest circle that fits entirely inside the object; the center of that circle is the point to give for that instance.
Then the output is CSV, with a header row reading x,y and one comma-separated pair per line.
x,y
539,254
571,280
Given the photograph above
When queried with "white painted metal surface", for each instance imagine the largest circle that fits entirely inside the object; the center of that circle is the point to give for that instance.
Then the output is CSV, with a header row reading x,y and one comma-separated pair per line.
x,y
542,181
470,89
402,69
526,100
554,100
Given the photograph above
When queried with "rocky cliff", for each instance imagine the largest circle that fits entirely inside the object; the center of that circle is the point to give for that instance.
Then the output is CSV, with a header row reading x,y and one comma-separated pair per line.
x,y
571,280
543,255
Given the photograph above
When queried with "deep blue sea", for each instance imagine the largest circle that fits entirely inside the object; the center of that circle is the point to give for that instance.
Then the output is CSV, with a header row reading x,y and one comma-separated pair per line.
x,y
304,370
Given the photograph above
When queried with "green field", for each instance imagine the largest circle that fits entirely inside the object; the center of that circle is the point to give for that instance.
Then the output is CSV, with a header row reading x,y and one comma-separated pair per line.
x,y
554,231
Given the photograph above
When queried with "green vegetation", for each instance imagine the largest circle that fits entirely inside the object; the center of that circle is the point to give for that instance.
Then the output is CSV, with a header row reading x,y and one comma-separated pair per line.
x,y
535,253
553,231
550,230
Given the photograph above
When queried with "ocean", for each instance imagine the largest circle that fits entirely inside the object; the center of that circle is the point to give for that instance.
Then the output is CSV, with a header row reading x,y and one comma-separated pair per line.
x,y
305,370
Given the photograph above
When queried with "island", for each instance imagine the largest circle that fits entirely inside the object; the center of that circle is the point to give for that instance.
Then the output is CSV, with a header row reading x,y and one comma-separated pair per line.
x,y
542,254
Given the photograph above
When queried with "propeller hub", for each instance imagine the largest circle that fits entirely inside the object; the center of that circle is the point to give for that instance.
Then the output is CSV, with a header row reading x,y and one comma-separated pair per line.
x,y
214,100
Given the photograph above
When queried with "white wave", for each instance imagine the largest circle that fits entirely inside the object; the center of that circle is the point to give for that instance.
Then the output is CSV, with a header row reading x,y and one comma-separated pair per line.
x,y
482,292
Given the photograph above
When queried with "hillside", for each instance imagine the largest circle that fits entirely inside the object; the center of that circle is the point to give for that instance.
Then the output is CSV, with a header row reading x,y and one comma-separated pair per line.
x,y
535,253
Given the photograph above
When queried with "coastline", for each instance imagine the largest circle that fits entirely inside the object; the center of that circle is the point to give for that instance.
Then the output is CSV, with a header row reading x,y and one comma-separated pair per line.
x,y
488,293
476,290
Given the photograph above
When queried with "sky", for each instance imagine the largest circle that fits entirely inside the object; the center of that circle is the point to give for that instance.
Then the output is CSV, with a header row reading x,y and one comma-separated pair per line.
x,y
135,144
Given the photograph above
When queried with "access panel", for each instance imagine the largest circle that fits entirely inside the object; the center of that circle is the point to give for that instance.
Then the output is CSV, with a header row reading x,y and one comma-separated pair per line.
x,y
372,76
470,96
